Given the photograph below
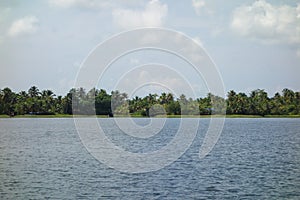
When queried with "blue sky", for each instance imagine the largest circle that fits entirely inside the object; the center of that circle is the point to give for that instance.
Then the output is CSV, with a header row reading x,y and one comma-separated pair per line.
x,y
254,44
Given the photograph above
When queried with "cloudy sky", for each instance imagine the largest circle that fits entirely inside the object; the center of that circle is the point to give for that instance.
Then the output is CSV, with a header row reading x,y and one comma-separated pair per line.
x,y
254,44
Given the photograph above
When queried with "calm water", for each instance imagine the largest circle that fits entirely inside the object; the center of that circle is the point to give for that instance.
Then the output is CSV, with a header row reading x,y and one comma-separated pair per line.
x,y
253,159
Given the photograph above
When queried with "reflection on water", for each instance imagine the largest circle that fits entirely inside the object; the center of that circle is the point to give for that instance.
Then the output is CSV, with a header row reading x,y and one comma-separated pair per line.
x,y
254,159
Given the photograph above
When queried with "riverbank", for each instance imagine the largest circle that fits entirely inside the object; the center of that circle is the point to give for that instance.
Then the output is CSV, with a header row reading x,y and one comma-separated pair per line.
x,y
163,116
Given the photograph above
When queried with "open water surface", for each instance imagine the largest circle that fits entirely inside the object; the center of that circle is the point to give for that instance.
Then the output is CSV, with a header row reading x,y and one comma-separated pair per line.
x,y
253,159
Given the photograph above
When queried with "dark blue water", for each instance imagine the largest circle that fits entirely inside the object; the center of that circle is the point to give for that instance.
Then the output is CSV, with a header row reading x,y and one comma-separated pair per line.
x,y
253,159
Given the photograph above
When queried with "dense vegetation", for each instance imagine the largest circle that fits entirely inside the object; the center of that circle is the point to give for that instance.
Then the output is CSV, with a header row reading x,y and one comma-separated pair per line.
x,y
97,101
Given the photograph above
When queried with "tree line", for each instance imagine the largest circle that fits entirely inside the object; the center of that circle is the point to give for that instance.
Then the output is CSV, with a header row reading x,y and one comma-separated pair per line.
x,y
80,101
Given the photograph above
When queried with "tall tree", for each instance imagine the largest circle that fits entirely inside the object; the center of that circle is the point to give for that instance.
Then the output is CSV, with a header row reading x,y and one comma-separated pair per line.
x,y
231,102
8,99
259,103
33,91
103,103
21,107
47,100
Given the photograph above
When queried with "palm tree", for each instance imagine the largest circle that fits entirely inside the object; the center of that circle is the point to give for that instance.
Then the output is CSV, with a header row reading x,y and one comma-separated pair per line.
x,y
47,101
8,99
169,98
242,104
277,104
163,98
21,105
259,102
33,91
231,102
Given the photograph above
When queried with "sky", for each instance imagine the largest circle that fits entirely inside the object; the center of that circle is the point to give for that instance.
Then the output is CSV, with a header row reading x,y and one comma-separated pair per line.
x,y
254,44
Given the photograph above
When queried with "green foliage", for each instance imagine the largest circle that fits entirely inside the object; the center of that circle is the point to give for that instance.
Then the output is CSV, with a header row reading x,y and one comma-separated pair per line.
x,y
78,101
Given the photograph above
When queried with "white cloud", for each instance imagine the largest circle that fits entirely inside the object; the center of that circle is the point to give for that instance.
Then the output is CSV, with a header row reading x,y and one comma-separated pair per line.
x,y
155,78
198,5
198,41
153,15
268,23
26,25
94,4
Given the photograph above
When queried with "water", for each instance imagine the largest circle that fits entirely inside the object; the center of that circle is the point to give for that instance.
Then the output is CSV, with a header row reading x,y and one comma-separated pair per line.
x,y
253,159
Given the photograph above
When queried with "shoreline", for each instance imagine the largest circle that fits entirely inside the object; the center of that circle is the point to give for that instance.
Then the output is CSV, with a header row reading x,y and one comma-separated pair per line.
x,y
138,116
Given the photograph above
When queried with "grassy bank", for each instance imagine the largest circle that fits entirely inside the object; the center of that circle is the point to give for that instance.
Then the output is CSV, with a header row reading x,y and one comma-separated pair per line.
x,y
139,116
234,116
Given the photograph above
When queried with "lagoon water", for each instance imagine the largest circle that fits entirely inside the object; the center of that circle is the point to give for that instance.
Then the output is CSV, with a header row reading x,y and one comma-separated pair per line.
x,y
253,159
